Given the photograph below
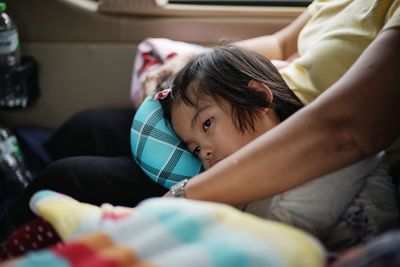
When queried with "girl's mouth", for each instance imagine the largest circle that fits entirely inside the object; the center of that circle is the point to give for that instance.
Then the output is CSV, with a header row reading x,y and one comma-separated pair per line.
x,y
215,162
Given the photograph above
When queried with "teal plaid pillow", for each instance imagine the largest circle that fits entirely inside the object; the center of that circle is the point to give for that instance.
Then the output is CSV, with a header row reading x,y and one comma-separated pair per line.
x,y
157,149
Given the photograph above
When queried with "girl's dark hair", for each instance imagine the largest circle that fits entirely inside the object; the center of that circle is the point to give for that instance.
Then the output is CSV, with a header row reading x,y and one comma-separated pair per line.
x,y
224,74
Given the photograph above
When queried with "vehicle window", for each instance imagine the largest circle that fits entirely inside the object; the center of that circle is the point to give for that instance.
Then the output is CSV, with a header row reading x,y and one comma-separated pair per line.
x,y
245,2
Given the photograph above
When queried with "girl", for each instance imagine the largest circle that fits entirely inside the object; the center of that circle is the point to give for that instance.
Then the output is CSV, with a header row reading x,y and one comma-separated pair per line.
x,y
226,98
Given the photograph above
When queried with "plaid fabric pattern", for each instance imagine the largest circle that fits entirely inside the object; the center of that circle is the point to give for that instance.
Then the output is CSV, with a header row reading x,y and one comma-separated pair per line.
x,y
157,149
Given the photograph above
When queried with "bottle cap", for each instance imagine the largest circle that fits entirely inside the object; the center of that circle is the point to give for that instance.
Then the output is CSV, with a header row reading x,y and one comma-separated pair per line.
x,y
3,6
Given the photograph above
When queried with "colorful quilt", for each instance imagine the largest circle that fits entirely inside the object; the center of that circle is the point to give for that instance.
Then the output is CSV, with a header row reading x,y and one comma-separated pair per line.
x,y
166,232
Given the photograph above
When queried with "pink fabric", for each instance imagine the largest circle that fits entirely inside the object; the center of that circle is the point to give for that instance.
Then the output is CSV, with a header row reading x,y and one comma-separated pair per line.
x,y
152,53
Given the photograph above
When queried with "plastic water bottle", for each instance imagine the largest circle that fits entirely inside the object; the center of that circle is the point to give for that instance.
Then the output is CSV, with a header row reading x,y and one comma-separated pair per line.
x,y
14,176
13,93
12,165
9,42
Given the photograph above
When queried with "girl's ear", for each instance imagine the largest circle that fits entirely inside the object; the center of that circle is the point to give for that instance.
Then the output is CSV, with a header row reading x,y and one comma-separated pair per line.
x,y
256,85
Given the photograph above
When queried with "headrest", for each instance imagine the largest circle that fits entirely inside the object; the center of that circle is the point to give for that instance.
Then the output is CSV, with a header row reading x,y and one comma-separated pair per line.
x,y
157,149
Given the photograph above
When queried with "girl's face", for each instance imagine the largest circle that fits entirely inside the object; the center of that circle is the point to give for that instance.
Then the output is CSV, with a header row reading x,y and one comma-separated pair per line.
x,y
209,132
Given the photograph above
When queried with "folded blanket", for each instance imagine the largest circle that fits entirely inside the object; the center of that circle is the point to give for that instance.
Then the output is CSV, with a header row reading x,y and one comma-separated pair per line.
x,y
167,232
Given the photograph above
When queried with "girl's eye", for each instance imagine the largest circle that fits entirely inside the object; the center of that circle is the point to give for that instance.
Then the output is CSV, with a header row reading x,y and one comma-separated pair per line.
x,y
207,124
196,151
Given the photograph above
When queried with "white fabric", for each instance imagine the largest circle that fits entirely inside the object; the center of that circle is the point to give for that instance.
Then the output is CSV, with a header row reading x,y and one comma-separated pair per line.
x,y
316,206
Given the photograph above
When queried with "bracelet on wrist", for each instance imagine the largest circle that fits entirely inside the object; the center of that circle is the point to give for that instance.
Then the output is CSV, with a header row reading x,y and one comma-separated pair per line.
x,y
178,189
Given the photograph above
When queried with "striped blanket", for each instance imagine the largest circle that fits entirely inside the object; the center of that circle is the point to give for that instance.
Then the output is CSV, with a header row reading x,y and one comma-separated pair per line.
x,y
166,232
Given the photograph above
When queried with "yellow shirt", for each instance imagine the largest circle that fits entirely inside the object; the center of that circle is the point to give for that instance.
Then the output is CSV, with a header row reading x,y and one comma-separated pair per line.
x,y
335,36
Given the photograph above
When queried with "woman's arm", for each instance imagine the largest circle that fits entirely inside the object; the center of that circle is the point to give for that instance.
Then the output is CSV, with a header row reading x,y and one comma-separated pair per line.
x,y
280,45
357,116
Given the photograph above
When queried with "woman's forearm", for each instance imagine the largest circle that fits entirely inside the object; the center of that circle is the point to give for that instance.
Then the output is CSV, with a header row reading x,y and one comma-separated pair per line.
x,y
280,45
267,46
356,117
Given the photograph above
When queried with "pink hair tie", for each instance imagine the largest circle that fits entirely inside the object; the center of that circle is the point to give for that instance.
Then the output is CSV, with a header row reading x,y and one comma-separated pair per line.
x,y
162,94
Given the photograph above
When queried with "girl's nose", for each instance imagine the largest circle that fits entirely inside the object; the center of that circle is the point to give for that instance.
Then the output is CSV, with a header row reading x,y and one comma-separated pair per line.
x,y
207,154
